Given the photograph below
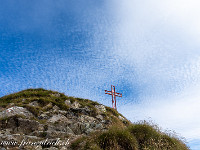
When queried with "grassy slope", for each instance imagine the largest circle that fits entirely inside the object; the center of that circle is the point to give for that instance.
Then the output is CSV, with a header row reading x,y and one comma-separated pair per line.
x,y
140,136
122,135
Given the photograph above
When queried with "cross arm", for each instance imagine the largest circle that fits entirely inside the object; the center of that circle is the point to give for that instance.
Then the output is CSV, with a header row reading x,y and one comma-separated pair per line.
x,y
108,92
118,94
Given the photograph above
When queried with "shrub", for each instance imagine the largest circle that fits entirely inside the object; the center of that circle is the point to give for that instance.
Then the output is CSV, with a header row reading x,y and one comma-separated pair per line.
x,y
150,137
116,138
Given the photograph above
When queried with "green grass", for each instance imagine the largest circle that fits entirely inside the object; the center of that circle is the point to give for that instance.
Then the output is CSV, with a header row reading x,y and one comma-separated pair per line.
x,y
140,136
72,99
117,138
34,110
112,111
75,144
150,137
42,96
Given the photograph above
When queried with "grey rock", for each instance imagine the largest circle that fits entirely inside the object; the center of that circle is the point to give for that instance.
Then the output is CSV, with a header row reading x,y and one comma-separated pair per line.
x,y
98,126
64,148
83,111
56,94
75,105
15,110
19,125
106,122
50,105
100,117
55,109
121,118
77,128
85,118
32,138
27,126
53,148
11,105
41,127
30,147
69,131
63,112
100,109
68,102
44,116
56,134
34,103
1,109
87,109
38,147
89,130
56,118
7,131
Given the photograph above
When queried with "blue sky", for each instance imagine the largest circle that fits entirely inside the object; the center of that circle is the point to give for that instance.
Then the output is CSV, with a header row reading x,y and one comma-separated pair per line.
x,y
148,49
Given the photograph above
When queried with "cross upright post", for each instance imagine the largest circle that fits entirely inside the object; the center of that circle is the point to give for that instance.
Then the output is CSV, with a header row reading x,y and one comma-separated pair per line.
x,y
114,94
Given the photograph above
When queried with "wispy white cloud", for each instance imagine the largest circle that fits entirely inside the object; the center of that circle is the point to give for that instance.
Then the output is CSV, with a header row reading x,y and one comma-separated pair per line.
x,y
177,113
161,41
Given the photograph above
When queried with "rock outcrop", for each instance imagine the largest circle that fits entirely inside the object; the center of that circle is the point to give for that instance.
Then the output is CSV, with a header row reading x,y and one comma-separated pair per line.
x,y
36,115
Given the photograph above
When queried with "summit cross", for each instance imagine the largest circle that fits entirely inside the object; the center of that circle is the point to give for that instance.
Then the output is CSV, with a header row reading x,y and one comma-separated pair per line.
x,y
114,94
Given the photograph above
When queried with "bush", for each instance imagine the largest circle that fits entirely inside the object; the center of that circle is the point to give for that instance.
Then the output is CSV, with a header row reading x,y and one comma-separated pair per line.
x,y
117,138
140,136
150,137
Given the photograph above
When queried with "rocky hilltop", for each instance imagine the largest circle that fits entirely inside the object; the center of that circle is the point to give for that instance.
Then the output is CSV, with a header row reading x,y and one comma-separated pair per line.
x,y
44,119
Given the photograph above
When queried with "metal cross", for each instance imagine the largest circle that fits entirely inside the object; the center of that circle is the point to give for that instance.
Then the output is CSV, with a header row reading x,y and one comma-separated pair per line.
x,y
114,94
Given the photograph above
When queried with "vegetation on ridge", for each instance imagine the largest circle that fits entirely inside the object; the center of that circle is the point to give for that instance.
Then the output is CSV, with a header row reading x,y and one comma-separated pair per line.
x,y
139,136
122,135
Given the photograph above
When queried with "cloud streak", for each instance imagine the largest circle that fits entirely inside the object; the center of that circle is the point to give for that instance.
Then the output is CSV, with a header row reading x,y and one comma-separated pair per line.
x,y
161,41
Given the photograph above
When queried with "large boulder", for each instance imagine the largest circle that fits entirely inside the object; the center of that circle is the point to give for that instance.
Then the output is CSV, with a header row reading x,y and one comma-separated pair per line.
x,y
15,110
27,126
19,125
